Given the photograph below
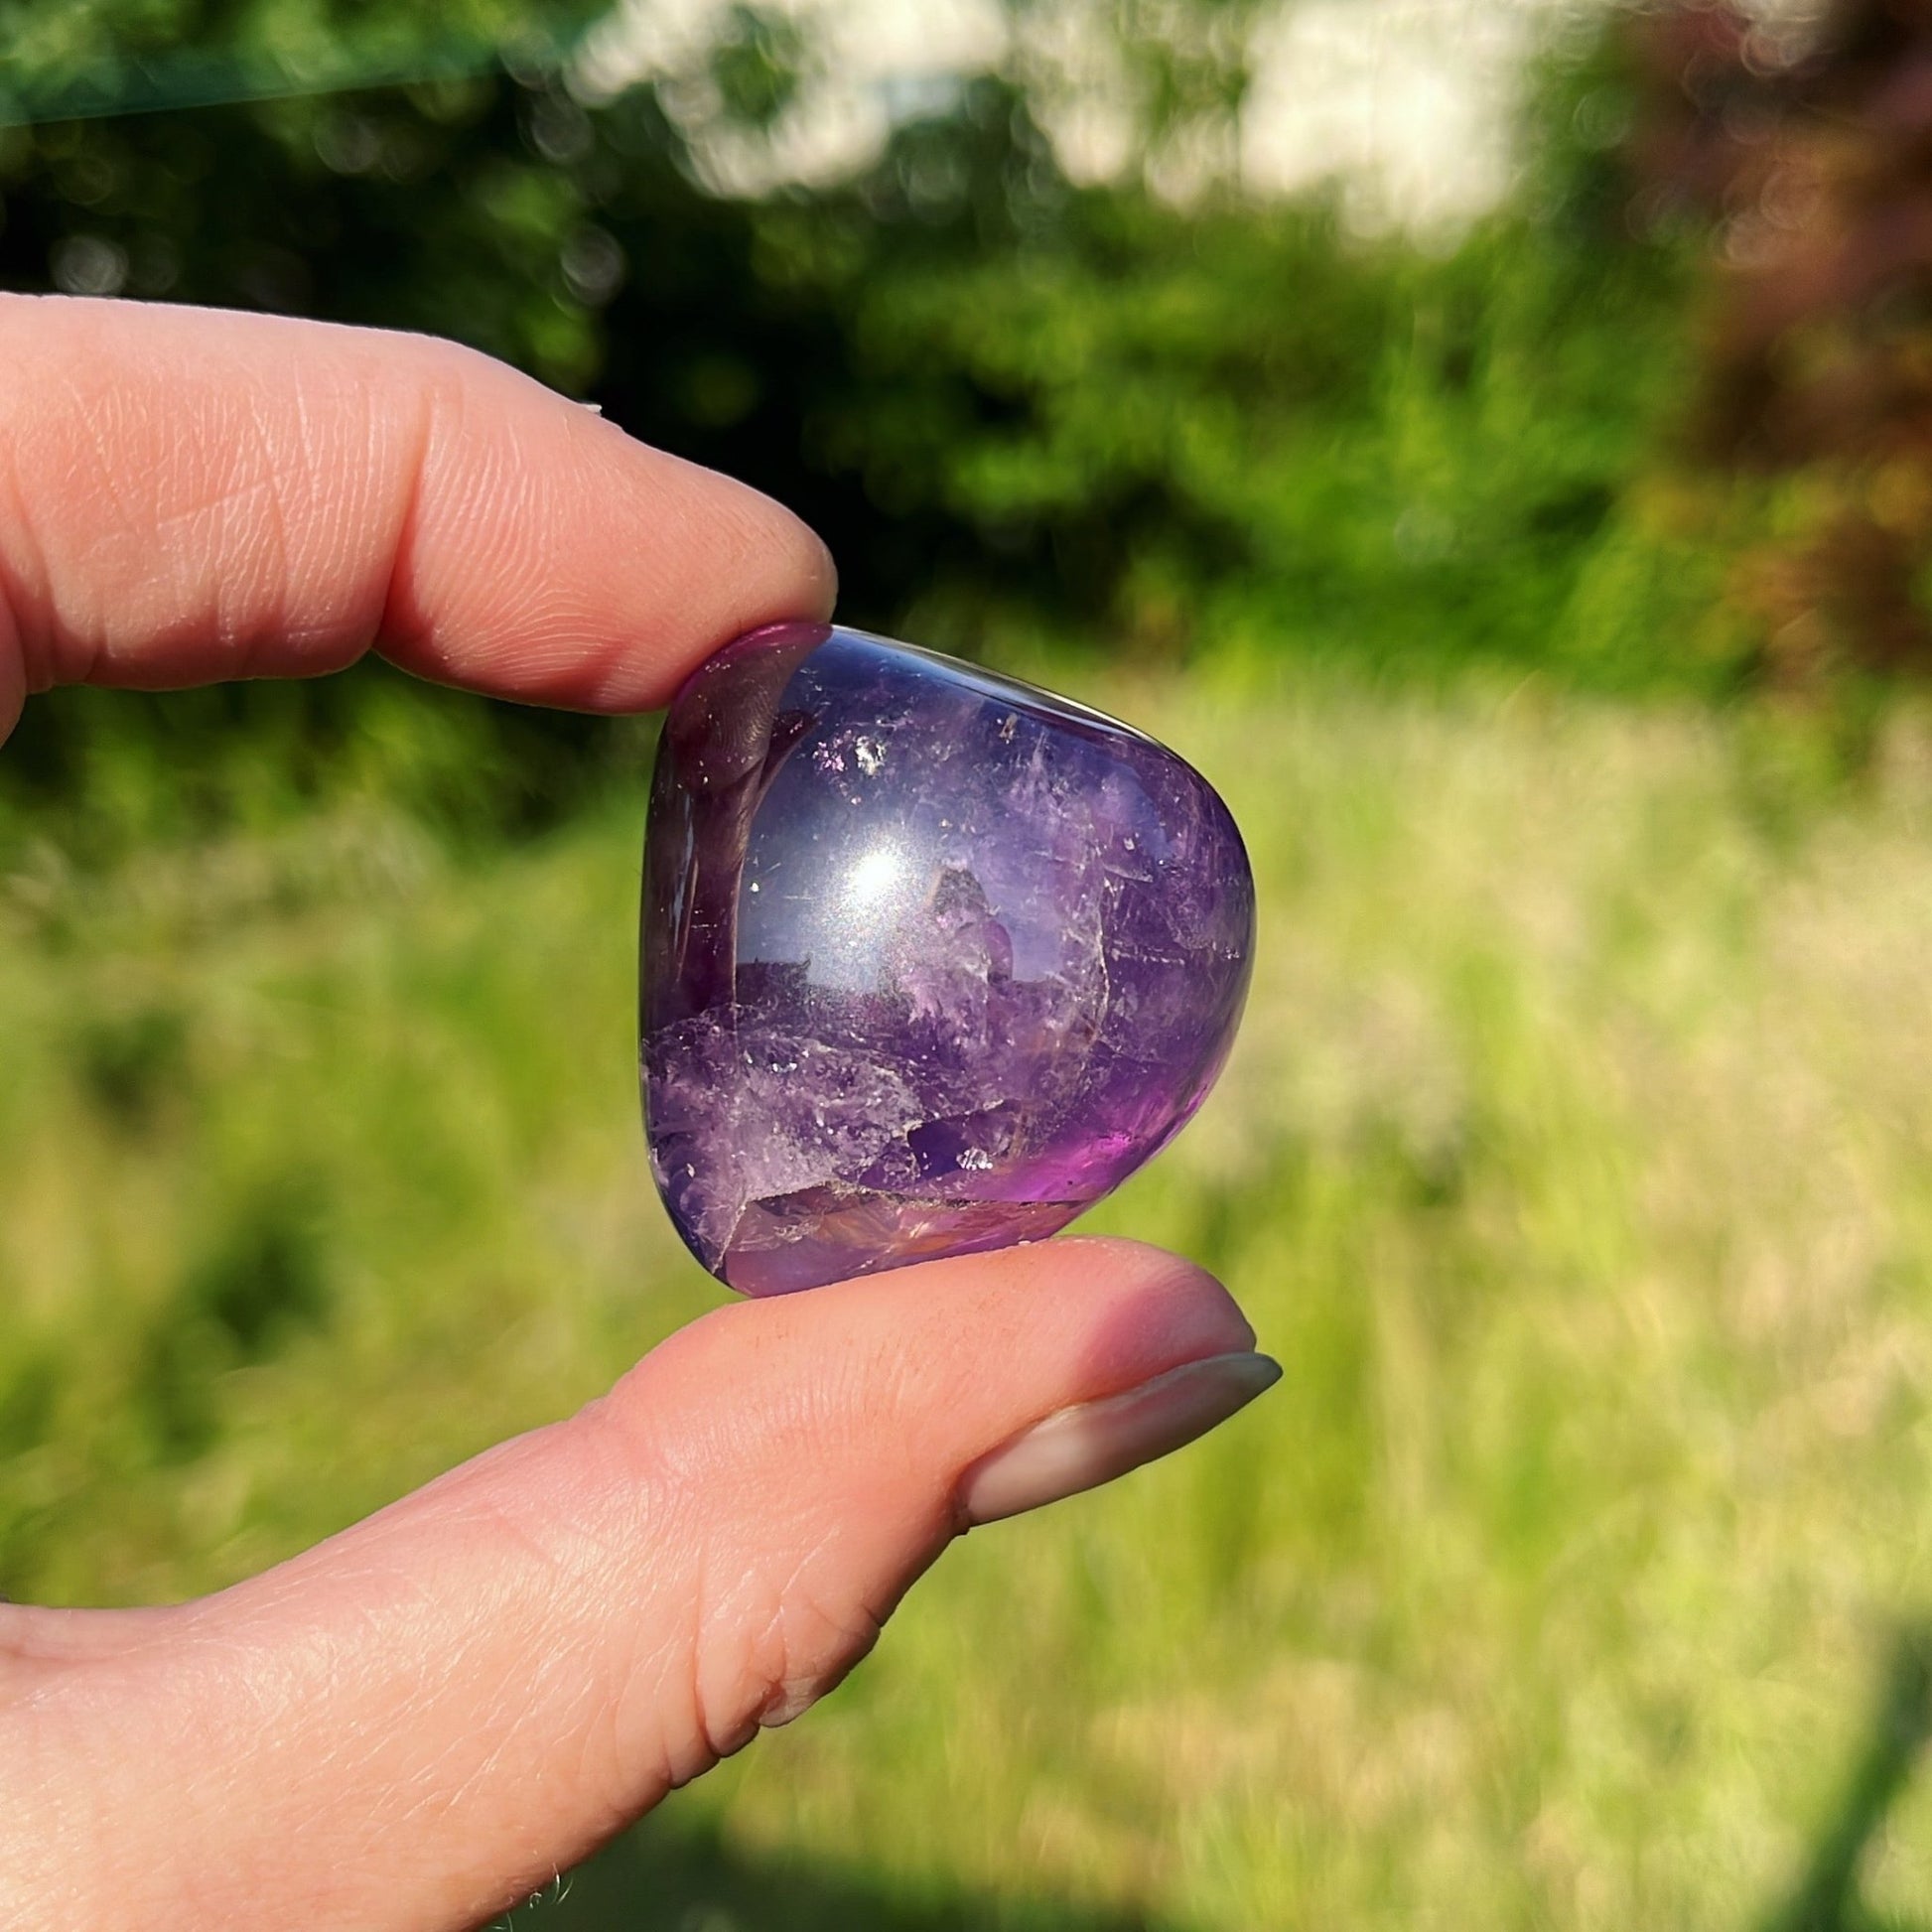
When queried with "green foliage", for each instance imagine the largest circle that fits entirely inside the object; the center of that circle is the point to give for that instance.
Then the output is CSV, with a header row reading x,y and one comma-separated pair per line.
x,y
1237,429
755,64
1018,408
110,56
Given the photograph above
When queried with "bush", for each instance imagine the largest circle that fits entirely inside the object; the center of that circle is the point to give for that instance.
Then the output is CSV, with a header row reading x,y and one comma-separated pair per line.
x,y
1018,408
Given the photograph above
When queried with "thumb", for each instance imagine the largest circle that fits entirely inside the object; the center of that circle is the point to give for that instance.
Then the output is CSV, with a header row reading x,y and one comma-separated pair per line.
x,y
425,1719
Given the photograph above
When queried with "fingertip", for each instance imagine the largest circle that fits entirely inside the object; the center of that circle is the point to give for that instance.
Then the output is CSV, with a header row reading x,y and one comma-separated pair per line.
x,y
1184,1307
824,570
1123,1310
785,566
630,567
956,1355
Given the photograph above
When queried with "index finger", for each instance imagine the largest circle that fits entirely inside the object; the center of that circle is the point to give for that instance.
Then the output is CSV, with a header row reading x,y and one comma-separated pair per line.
x,y
188,495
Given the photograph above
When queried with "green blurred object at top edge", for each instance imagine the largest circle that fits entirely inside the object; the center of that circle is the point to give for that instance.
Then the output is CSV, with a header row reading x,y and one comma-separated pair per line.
x,y
77,62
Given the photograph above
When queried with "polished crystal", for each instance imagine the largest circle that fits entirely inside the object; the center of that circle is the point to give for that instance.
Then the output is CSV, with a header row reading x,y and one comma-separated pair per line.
x,y
931,959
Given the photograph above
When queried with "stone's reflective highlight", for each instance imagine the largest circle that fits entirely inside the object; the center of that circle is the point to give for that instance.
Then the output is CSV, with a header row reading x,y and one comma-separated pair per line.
x,y
933,959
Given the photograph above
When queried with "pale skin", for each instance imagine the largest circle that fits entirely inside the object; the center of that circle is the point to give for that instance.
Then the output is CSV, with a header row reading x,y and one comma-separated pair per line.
x,y
428,1717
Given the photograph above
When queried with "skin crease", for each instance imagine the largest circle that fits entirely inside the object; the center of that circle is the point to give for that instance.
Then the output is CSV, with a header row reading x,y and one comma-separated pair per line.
x,y
423,1719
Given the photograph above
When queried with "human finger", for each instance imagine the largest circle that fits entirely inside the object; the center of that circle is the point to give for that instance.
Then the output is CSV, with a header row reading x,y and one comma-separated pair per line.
x,y
190,495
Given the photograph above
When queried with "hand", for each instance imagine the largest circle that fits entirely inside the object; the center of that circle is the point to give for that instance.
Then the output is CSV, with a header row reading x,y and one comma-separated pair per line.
x,y
429,1715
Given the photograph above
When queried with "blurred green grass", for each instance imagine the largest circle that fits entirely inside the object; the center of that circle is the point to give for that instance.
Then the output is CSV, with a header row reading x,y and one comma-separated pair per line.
x,y
1572,1161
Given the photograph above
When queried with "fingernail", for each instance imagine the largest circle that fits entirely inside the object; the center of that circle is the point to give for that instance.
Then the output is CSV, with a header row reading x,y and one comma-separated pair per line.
x,y
1080,1447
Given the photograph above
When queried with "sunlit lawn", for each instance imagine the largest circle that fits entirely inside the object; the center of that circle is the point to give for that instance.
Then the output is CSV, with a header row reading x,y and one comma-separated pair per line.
x,y
1577,1162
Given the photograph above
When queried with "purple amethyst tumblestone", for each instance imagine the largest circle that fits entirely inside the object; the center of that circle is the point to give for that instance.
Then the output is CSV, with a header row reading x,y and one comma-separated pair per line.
x,y
933,959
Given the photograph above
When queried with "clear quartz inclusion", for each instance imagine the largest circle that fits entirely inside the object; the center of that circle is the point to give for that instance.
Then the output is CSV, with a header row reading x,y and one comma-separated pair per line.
x,y
931,959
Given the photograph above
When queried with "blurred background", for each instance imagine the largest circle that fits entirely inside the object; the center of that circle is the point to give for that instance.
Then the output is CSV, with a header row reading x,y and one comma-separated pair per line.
x,y
1494,442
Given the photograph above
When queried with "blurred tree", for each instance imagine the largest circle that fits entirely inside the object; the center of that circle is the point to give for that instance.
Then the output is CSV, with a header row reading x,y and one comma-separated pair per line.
x,y
757,65
1152,411
1807,149
1172,76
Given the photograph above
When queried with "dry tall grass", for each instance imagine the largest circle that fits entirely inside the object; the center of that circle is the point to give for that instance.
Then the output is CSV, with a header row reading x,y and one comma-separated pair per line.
x,y
1576,1162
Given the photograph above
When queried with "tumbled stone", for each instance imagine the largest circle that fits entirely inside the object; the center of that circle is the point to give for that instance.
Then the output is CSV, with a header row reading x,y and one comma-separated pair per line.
x,y
931,959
